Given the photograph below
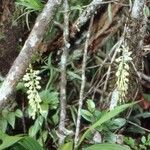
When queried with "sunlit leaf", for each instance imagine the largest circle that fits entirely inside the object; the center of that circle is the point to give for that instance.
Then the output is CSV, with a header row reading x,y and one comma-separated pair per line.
x,y
117,123
36,127
19,113
44,110
91,105
3,124
67,146
50,98
87,115
73,75
11,119
108,146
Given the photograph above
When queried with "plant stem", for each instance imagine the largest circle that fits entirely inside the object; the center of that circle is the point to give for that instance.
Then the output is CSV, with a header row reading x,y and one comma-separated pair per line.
x,y
63,81
82,84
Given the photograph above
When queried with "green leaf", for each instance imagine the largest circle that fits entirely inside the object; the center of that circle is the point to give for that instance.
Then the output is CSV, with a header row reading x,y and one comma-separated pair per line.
x,y
110,137
18,113
105,118
5,113
50,98
142,147
31,4
55,118
147,11
67,146
36,127
18,142
148,137
91,105
40,120
30,144
107,146
143,115
33,130
44,110
8,141
136,130
143,139
129,141
73,75
117,123
73,113
87,115
11,119
3,124
43,137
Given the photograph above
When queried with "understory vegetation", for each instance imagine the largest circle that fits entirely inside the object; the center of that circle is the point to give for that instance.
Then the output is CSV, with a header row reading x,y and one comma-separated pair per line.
x,y
82,84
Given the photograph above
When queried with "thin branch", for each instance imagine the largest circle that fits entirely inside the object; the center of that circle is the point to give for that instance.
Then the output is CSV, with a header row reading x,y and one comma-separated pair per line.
x,y
85,16
143,76
30,47
136,125
63,81
82,84
59,25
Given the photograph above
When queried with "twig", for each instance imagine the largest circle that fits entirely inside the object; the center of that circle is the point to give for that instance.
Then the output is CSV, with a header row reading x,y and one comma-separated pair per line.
x,y
30,47
59,25
82,84
85,16
143,76
63,81
90,10
138,126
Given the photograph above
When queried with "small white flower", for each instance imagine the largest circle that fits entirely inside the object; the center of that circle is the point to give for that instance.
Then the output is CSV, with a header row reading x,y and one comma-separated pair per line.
x,y
32,79
122,73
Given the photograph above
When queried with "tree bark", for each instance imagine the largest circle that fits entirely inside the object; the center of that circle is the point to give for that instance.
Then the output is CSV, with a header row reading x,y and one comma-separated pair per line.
x,y
134,37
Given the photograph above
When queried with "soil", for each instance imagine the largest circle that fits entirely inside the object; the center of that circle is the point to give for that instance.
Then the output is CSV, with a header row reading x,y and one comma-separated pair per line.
x,y
9,36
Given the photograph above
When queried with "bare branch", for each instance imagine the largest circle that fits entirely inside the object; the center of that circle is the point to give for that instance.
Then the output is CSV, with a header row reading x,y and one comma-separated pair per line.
x,y
63,81
85,16
82,84
29,48
144,77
